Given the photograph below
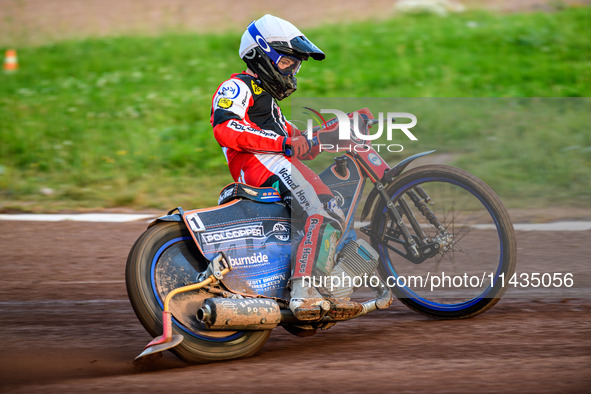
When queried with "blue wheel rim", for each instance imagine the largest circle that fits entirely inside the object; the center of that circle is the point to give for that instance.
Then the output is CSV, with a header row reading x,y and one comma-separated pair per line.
x,y
384,255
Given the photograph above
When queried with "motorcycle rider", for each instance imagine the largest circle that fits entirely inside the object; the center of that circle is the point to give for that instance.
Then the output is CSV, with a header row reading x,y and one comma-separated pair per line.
x,y
263,149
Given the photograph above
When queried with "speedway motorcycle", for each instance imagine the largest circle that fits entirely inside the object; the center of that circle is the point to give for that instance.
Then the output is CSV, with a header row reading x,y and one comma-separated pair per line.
x,y
213,282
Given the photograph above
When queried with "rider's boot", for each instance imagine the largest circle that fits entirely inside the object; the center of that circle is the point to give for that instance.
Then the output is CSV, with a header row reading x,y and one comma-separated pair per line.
x,y
306,302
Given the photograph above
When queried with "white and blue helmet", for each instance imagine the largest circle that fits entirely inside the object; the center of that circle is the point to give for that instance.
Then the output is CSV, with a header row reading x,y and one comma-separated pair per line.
x,y
265,42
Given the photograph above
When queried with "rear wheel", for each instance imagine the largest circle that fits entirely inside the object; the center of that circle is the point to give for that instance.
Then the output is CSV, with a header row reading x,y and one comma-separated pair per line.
x,y
463,256
165,257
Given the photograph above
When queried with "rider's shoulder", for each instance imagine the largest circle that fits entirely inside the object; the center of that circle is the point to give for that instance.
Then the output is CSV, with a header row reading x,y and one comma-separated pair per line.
x,y
253,84
240,90
232,88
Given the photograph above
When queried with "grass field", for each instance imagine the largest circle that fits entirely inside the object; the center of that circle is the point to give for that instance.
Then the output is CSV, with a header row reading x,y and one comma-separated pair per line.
x,y
124,122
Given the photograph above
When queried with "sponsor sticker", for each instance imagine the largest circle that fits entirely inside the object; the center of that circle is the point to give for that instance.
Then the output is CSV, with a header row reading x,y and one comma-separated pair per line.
x,y
255,259
227,193
281,231
229,89
339,197
256,88
255,231
225,103
327,252
240,127
374,159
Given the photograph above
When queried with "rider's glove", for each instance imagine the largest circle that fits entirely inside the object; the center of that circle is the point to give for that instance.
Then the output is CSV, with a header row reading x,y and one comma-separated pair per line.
x,y
328,134
296,147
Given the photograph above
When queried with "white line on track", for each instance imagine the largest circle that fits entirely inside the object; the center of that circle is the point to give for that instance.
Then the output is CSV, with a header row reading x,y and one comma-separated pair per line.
x,y
60,302
80,217
127,217
83,282
554,226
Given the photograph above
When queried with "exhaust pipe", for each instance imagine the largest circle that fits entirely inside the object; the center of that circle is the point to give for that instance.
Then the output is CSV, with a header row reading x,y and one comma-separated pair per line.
x,y
239,314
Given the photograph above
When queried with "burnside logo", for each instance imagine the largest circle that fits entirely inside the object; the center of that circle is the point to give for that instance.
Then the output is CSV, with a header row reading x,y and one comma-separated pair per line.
x,y
249,260
233,234
345,126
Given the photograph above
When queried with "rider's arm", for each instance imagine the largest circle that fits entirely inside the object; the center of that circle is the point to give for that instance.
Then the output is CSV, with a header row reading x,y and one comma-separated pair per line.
x,y
242,136
231,126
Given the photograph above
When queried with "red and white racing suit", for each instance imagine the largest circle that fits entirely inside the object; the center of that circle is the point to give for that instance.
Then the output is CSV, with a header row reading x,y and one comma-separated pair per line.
x,y
252,131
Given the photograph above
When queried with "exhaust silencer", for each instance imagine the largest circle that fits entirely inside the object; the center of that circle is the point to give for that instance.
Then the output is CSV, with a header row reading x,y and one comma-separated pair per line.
x,y
239,314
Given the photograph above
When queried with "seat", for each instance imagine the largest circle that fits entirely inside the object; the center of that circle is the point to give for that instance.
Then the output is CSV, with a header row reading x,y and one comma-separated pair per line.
x,y
240,190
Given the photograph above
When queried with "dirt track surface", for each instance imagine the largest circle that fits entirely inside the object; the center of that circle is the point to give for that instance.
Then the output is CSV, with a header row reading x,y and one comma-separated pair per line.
x,y
25,22
67,326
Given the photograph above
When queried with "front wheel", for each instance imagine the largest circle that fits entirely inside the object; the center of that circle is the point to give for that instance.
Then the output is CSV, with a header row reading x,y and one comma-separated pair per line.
x,y
463,233
165,257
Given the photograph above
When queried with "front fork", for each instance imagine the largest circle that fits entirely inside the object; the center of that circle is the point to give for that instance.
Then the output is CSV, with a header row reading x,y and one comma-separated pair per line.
x,y
410,241
418,247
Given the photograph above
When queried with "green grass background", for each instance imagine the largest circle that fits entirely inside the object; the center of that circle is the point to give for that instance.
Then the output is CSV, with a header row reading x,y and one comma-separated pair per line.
x,y
124,121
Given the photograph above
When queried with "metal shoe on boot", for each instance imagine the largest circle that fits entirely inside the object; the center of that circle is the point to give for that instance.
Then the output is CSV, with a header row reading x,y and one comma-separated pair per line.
x,y
306,302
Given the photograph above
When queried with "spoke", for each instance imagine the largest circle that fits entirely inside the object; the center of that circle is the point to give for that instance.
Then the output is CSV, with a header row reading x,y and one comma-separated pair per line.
x,y
456,237
441,256
459,249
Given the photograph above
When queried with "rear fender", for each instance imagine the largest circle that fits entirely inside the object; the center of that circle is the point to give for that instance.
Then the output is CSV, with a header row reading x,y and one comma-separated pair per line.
x,y
389,178
170,217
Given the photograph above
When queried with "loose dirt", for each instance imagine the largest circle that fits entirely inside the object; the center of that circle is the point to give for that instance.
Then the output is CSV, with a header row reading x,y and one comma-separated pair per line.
x,y
67,326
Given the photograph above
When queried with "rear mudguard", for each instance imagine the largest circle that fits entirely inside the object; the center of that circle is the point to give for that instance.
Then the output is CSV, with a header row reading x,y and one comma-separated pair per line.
x,y
170,217
389,178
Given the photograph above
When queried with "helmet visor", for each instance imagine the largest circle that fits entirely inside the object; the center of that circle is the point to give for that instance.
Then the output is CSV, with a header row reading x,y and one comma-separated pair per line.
x,y
302,45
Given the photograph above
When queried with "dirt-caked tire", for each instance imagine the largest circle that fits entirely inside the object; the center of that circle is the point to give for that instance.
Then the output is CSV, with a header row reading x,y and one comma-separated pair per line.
x,y
166,257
